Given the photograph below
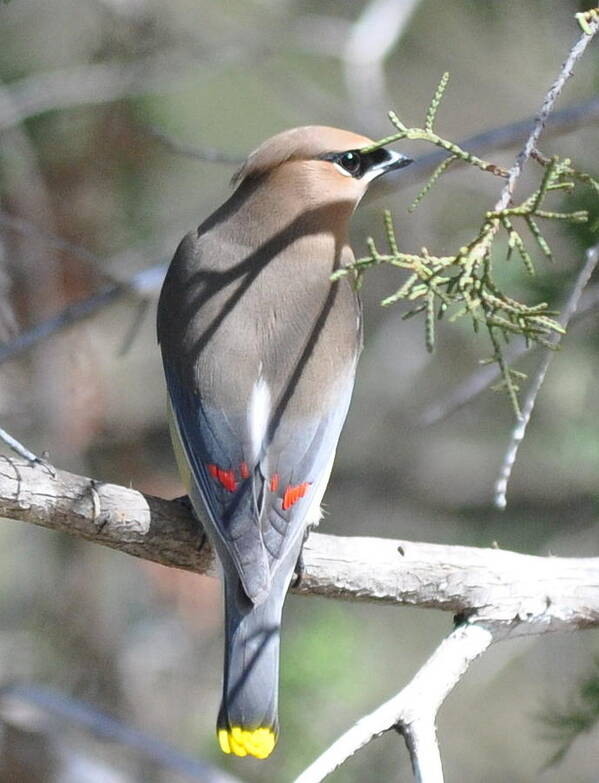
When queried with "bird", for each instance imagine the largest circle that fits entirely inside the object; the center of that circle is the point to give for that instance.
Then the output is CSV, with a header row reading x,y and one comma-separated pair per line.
x,y
259,348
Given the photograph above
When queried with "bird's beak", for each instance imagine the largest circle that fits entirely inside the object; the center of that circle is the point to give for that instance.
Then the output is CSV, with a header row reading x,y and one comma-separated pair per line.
x,y
394,161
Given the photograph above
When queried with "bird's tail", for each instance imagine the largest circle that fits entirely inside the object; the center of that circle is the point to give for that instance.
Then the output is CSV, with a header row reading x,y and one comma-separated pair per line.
x,y
248,721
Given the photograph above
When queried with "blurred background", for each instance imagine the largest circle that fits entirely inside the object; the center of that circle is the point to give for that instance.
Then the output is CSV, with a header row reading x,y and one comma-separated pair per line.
x,y
100,104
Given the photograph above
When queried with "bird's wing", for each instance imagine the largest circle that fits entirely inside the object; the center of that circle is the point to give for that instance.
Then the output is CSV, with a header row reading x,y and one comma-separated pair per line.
x,y
297,464
258,506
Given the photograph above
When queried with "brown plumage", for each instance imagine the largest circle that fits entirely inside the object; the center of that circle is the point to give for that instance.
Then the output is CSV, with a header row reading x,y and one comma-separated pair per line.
x,y
260,350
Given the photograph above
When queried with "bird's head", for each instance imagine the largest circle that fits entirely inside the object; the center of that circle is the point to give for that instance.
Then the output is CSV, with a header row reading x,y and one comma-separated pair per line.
x,y
321,162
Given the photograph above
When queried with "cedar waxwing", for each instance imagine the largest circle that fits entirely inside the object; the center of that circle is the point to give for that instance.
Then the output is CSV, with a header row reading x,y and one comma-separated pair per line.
x,y
260,350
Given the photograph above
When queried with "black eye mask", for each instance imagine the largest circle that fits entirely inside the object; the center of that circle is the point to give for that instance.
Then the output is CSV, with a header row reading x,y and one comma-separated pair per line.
x,y
355,162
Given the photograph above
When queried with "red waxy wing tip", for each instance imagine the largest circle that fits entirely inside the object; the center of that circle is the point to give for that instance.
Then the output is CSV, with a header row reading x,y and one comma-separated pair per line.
x,y
293,494
225,477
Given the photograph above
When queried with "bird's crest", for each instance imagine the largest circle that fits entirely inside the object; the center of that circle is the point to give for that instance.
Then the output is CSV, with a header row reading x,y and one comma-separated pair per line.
x,y
306,143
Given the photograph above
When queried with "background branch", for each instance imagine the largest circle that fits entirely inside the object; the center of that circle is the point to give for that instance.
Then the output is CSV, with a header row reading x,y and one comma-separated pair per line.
x,y
208,154
142,285
60,710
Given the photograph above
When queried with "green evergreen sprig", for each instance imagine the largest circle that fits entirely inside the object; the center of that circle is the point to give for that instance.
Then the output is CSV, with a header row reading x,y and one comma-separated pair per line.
x,y
463,284
428,134
586,19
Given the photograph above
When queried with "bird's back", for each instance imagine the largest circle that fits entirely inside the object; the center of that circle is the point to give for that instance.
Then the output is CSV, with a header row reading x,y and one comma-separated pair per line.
x,y
264,346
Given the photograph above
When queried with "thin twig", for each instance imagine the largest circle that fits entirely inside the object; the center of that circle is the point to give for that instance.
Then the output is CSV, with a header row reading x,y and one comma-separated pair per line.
x,y
550,98
421,741
474,288
530,147
507,193
504,202
18,447
519,431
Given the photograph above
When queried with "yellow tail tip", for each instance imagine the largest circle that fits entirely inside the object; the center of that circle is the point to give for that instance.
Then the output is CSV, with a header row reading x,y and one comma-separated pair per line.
x,y
247,742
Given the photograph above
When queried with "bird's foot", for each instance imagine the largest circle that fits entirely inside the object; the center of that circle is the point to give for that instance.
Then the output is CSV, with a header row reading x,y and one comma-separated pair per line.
x,y
183,500
299,566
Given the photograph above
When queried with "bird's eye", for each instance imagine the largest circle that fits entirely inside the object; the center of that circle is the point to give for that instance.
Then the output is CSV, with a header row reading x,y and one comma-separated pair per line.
x,y
351,162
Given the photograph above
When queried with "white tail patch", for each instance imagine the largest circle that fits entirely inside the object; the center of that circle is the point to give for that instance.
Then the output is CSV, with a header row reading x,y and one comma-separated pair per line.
x,y
259,416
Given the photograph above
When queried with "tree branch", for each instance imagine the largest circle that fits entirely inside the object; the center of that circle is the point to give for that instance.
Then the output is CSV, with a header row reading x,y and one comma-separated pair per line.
x,y
412,711
513,593
18,447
